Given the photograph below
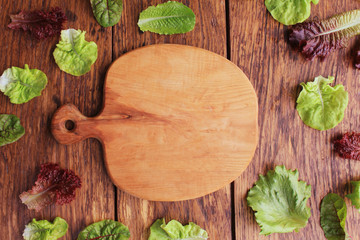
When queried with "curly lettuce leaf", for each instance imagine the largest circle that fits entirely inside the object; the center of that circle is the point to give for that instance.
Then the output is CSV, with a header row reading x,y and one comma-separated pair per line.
x,y
105,230
333,217
348,146
10,129
290,12
320,38
53,185
321,106
279,201
175,230
45,230
355,195
73,54
107,12
167,18
22,85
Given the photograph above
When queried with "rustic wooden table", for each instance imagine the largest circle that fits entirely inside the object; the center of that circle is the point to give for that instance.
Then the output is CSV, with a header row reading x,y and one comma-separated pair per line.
x,y
241,30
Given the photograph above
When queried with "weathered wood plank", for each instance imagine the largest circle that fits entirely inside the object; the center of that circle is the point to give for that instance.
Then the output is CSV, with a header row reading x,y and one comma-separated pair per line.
x,y
213,212
20,162
259,47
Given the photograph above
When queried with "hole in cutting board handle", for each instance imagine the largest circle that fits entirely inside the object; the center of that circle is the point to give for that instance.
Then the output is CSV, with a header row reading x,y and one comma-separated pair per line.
x,y
70,125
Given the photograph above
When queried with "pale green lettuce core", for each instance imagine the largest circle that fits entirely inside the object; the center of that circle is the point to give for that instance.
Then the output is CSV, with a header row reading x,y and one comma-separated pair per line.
x,y
321,106
290,12
73,54
45,230
174,230
279,201
22,85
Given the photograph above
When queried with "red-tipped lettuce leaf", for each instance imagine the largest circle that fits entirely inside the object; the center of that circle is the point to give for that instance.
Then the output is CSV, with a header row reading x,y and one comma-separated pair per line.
x,y
320,38
53,185
348,146
41,24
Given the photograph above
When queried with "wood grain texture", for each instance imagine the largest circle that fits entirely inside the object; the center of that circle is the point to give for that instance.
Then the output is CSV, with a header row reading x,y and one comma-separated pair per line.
x,y
261,50
171,98
20,162
213,212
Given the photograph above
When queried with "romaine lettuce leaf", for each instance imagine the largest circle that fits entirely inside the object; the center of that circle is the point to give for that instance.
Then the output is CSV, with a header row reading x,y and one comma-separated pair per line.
x,y
10,129
290,12
333,217
107,12
73,54
45,230
175,230
22,85
321,106
105,230
279,201
355,195
167,18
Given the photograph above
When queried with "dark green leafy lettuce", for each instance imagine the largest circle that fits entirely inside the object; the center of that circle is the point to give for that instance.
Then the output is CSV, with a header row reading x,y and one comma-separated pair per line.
x,y
73,54
290,12
10,129
279,201
22,85
333,217
167,18
45,230
175,230
355,195
107,12
105,230
321,106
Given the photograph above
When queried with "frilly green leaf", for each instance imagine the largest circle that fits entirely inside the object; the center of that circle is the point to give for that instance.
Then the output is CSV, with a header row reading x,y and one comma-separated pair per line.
x,y
105,230
45,230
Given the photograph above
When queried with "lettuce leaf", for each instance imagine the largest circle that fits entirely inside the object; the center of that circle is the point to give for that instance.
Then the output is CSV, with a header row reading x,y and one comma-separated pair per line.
x,y
22,85
105,230
279,201
73,54
53,185
175,230
348,146
320,38
333,217
355,195
41,24
10,129
321,106
107,12
45,230
167,18
290,12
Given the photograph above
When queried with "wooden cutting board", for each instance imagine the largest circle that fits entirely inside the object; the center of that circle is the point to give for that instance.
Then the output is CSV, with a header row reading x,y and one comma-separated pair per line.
x,y
178,122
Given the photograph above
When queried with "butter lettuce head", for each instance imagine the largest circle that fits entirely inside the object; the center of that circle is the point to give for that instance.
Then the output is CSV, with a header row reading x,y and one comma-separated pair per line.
x,y
73,54
22,85
279,201
175,230
321,106
290,12
45,230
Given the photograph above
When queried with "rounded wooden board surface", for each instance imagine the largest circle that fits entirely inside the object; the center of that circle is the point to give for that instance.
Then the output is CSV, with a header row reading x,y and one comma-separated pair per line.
x,y
178,122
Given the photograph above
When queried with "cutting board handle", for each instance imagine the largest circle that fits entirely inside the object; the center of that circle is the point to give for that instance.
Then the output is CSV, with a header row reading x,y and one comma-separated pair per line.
x,y
69,126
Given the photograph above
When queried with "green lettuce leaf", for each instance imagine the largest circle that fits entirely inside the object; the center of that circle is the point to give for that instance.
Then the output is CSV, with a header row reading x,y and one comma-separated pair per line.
x,y
10,129
279,201
167,18
321,106
45,230
175,230
333,217
290,12
355,195
73,54
22,85
105,230
107,12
